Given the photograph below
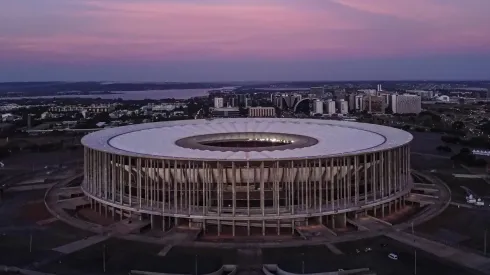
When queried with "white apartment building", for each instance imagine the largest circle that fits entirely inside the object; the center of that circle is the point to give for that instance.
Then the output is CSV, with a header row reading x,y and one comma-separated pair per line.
x,y
359,103
318,107
218,102
406,104
342,106
261,112
330,104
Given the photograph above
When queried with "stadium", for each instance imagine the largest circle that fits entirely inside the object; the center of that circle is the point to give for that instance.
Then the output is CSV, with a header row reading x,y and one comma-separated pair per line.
x,y
243,177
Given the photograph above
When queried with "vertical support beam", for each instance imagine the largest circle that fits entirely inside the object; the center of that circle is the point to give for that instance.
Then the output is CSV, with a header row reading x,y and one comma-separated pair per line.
x,y
233,191
262,206
365,179
248,195
294,172
175,179
130,170
121,180
320,187
332,183
164,183
278,195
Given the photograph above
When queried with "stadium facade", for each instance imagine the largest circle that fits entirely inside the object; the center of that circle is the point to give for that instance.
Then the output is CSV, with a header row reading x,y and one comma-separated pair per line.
x,y
247,176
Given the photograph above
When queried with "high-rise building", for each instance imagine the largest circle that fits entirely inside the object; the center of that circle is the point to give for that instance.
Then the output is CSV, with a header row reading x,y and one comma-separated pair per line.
x,y
233,102
248,101
286,101
387,98
291,100
406,104
359,103
242,98
342,106
218,102
374,104
425,95
261,112
330,104
318,107
379,88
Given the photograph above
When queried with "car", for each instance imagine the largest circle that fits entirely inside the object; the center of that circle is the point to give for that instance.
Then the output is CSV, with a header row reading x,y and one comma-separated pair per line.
x,y
367,249
393,256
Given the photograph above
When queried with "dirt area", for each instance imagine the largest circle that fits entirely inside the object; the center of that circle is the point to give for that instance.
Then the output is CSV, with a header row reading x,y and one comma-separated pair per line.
x,y
92,216
34,212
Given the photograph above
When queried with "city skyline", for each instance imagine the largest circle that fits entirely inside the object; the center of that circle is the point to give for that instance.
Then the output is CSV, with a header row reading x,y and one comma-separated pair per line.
x,y
218,40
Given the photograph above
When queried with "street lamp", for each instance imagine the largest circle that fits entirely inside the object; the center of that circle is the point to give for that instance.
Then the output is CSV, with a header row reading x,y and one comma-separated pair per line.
x,y
195,265
302,263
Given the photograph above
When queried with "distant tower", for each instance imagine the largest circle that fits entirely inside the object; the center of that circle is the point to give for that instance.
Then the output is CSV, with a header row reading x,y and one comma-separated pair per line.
x,y
380,88
218,102
29,121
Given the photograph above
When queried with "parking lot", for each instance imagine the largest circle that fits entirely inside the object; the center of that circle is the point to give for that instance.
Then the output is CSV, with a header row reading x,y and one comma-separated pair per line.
x,y
378,261
368,253
459,227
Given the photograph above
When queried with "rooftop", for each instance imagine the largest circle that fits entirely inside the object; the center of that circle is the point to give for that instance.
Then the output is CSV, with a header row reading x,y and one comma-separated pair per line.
x,y
208,139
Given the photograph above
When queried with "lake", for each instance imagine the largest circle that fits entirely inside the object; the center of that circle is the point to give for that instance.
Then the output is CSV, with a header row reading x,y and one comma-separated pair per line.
x,y
134,95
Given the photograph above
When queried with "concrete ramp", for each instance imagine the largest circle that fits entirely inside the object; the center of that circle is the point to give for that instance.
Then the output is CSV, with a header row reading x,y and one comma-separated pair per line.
x,y
127,226
469,176
73,203
371,223
80,244
315,231
423,199
181,234
165,250
359,226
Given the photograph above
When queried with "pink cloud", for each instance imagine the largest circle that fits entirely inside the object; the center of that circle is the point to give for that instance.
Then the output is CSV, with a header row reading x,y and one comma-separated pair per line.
x,y
244,29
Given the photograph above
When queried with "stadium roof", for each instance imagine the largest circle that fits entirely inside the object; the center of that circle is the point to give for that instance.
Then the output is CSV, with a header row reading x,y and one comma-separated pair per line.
x,y
163,139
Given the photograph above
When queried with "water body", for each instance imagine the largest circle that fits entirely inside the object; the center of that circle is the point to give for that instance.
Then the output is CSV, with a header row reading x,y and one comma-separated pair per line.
x,y
283,89
134,95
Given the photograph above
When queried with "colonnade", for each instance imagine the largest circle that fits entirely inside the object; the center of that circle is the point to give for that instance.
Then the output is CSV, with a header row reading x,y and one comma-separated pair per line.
x,y
232,196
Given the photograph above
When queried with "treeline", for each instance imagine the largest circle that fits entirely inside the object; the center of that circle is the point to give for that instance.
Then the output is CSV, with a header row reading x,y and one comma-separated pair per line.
x,y
466,157
476,142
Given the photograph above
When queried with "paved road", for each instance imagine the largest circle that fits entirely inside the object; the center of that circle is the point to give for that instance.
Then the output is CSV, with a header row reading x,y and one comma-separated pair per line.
x,y
462,258
430,155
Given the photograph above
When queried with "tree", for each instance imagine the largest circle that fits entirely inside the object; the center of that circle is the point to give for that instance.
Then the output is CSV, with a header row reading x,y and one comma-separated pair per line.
x,y
458,125
444,148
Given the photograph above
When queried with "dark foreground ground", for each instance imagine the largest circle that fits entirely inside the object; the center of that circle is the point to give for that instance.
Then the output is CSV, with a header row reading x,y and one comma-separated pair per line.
x,y
321,259
24,242
18,222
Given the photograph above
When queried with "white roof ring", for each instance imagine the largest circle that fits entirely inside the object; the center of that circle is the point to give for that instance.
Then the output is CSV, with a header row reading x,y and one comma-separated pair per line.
x,y
304,139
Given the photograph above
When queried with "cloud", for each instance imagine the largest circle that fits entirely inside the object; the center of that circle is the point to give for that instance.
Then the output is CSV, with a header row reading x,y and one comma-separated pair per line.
x,y
239,29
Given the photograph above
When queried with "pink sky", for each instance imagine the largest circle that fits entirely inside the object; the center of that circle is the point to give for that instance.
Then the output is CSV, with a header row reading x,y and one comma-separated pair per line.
x,y
223,30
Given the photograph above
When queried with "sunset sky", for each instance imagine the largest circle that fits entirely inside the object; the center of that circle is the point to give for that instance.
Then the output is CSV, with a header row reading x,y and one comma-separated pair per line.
x,y
213,40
